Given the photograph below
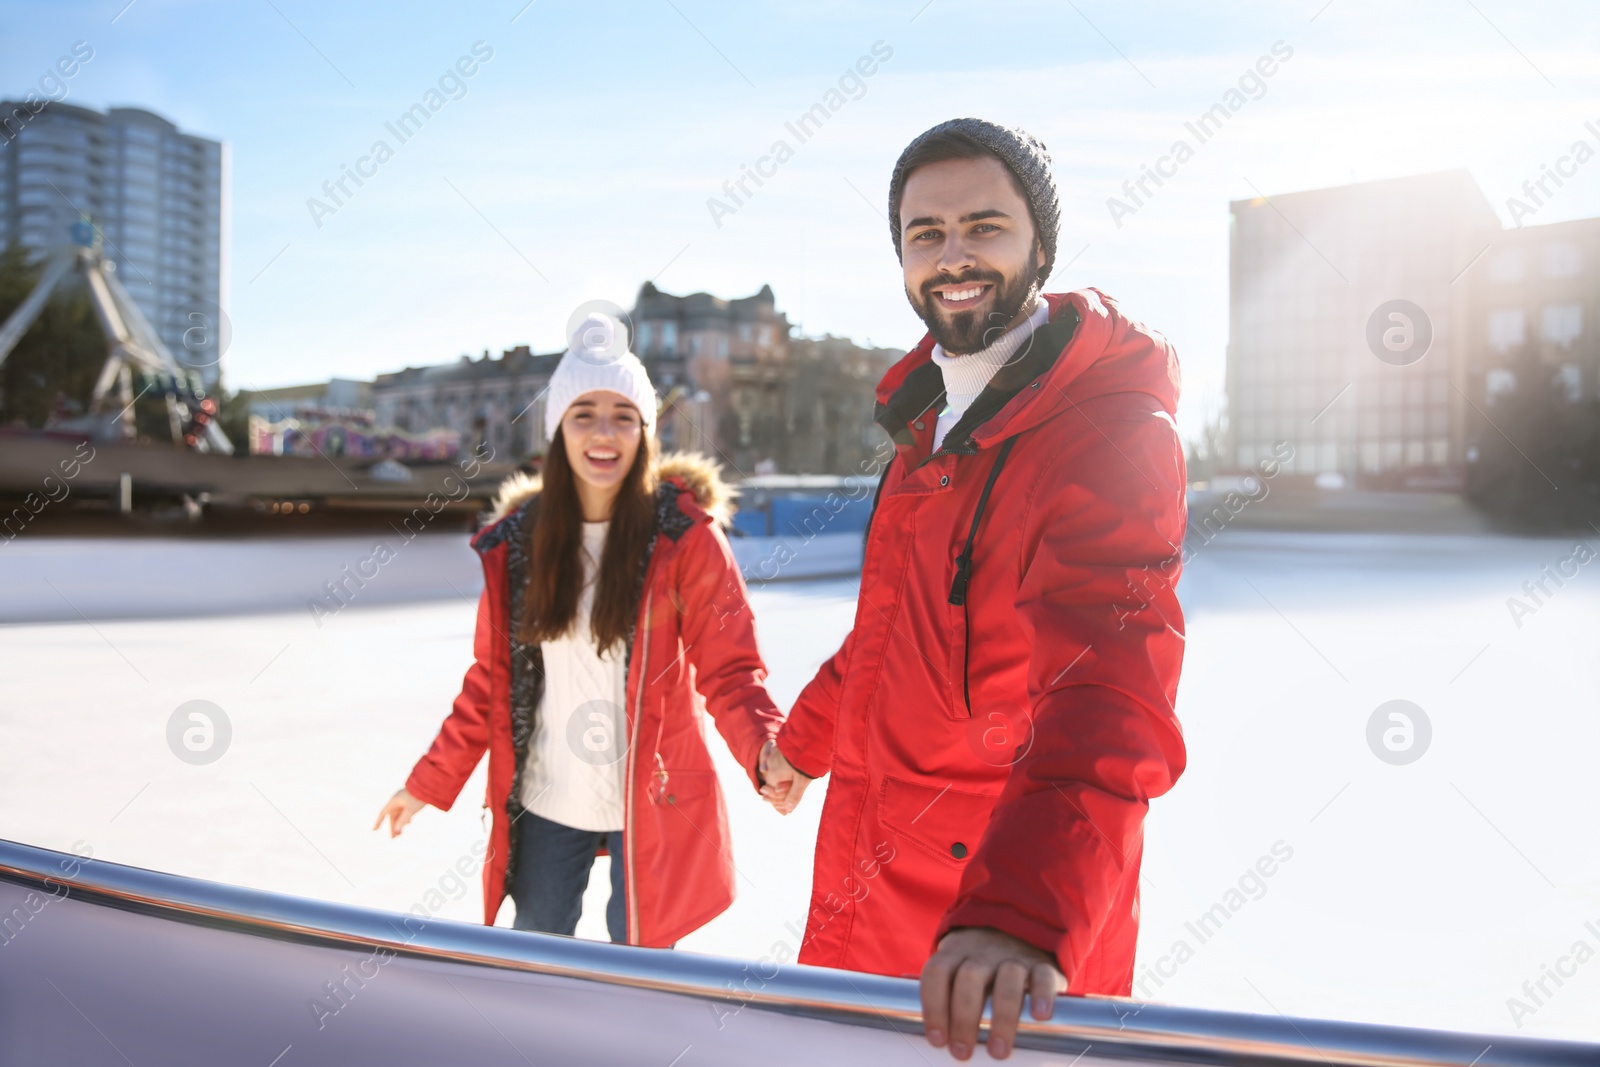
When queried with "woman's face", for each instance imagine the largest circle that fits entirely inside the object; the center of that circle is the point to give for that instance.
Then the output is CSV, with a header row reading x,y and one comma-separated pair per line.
x,y
602,430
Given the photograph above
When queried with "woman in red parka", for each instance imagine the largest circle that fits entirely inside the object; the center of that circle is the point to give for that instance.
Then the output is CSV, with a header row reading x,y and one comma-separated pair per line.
x,y
612,617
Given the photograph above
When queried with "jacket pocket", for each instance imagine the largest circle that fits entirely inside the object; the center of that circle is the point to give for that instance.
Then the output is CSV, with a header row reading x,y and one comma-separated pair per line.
x,y
942,821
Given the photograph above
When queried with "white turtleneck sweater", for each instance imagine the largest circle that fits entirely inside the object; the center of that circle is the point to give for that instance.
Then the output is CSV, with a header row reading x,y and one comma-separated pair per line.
x,y
965,376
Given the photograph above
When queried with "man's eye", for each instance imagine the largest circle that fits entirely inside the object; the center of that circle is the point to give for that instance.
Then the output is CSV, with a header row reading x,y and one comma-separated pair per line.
x,y
926,233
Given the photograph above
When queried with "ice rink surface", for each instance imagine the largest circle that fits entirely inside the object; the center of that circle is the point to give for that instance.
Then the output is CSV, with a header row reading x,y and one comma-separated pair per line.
x,y
1428,893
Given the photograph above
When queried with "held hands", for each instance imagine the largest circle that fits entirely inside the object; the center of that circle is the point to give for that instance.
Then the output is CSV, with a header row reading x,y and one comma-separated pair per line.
x,y
401,807
969,964
783,785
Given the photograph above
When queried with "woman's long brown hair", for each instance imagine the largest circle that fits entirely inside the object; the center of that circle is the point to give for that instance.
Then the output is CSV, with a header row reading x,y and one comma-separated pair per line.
x,y
550,602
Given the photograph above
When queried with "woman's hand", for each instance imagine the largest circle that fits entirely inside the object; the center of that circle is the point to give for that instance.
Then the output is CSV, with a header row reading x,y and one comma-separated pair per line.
x,y
784,785
401,807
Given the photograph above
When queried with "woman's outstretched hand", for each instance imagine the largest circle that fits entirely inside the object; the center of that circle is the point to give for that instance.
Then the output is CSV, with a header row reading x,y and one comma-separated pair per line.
x,y
784,785
401,807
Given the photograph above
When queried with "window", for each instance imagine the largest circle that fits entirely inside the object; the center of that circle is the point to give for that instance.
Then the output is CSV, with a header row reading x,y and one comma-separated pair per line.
x,y
1508,266
1571,378
1507,328
644,337
1562,260
1497,382
1562,323
669,338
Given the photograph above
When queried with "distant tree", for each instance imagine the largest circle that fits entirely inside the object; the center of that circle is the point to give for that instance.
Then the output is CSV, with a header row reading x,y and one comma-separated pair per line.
x,y
1537,465
233,416
52,370
1206,453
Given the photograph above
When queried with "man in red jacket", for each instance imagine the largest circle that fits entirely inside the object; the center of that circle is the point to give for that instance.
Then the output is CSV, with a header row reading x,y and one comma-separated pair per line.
x,y
1001,712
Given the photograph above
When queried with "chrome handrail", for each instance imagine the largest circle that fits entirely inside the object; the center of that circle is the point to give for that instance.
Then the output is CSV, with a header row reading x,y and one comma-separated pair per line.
x,y
1110,1027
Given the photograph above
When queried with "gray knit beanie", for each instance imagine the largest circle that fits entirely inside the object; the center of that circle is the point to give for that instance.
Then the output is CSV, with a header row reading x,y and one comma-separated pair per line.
x,y
1022,153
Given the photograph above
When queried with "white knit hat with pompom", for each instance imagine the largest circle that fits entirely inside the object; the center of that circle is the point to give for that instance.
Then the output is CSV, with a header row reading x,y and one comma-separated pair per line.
x,y
597,357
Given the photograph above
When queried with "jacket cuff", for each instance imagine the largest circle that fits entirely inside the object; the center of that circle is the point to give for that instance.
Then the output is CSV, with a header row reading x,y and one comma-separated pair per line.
x,y
1008,920
424,787
813,761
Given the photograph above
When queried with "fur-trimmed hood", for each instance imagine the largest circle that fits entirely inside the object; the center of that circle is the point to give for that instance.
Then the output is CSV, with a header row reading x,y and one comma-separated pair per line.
x,y
692,471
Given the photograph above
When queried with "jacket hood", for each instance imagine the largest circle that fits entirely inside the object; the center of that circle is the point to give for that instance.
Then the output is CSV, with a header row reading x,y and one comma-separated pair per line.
x,y
690,471
1107,353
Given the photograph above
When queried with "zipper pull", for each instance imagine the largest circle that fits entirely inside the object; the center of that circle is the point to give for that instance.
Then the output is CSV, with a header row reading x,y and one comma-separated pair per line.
x,y
659,791
958,585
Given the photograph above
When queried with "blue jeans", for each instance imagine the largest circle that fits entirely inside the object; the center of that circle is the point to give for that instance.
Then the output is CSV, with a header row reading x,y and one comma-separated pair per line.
x,y
553,863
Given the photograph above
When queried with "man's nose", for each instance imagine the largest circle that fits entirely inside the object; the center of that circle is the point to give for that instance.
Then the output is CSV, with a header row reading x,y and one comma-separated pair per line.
x,y
956,256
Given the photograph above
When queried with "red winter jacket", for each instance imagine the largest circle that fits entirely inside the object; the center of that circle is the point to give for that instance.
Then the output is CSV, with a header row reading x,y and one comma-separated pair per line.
x,y
993,759
693,650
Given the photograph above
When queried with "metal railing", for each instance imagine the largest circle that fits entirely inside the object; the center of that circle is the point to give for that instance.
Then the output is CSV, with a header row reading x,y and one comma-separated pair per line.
x,y
1107,1028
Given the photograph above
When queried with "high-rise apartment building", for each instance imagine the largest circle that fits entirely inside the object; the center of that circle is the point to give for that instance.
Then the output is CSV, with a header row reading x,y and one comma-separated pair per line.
x,y
157,194
1314,277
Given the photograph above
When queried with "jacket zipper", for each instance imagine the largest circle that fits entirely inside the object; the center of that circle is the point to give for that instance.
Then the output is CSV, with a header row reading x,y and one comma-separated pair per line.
x,y
959,586
630,886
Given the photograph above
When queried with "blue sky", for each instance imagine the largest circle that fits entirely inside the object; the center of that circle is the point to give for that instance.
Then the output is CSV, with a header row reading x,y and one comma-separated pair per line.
x,y
578,160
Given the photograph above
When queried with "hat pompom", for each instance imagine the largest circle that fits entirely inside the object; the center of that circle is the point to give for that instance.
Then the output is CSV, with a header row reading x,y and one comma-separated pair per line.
x,y
595,335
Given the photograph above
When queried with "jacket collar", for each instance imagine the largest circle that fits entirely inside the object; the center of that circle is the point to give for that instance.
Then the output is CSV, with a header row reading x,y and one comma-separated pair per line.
x,y
915,385
1088,348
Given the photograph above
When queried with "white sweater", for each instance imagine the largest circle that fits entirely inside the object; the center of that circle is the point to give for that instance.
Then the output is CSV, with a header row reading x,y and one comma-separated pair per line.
x,y
575,765
965,376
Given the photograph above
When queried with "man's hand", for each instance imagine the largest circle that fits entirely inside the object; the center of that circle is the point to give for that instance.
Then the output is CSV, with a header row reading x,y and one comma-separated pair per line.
x,y
784,785
958,978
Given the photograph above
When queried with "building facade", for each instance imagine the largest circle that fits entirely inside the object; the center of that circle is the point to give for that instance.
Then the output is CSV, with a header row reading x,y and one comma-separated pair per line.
x,y
733,385
829,405
720,367
1311,274
288,401
493,400
1534,300
158,195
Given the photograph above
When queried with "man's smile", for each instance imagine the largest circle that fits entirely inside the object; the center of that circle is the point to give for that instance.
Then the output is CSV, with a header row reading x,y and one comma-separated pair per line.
x,y
962,296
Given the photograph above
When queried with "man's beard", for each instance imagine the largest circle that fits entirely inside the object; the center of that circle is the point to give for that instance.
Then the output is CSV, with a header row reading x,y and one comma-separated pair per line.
x,y
962,332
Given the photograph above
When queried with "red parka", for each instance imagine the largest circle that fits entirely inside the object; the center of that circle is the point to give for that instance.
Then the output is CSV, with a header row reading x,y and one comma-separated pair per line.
x,y
994,741
693,650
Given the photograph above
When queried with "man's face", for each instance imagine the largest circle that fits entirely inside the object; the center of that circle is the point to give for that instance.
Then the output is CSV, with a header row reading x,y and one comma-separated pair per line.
x,y
970,257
